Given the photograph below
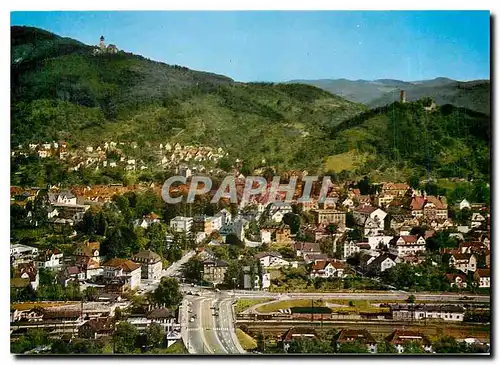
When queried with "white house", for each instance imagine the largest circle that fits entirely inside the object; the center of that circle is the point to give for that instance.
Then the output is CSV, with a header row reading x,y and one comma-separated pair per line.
x,y
383,262
181,224
123,268
278,210
274,259
406,245
464,204
376,241
483,277
464,262
327,269
151,264
476,220
253,282
265,236
50,259
18,250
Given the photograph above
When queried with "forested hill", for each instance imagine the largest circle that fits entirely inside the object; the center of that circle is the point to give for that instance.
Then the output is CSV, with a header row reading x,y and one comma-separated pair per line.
x,y
445,142
62,91
474,95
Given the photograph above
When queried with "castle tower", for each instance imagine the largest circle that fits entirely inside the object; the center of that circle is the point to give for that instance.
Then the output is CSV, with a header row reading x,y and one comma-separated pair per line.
x,y
101,43
402,97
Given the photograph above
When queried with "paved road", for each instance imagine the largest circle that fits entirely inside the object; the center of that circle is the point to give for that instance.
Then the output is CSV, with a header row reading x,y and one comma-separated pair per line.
x,y
173,270
224,325
391,295
207,333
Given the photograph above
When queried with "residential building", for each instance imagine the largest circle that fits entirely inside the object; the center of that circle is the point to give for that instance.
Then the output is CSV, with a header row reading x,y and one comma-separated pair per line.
x,y
252,280
395,189
377,242
49,259
151,264
476,220
273,259
64,197
88,249
214,270
181,224
429,207
362,336
457,280
463,204
399,338
464,262
20,250
406,245
27,271
327,269
71,274
295,333
383,262
302,248
370,218
207,224
349,248
124,268
482,277
327,216
89,266
265,236
96,328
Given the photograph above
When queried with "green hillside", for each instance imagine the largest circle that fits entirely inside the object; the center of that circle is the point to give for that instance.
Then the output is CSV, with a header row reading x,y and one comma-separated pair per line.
x,y
474,95
446,142
60,90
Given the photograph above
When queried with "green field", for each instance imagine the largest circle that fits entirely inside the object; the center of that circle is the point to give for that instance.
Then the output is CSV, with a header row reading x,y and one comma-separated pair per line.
x,y
246,341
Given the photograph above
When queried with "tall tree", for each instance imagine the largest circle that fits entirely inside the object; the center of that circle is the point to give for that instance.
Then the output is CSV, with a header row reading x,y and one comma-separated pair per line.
x,y
168,293
125,338
155,335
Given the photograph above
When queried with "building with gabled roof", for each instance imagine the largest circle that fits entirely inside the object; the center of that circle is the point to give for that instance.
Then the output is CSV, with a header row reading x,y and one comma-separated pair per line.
x,y
483,277
295,333
327,269
151,264
465,262
126,268
361,336
88,249
399,338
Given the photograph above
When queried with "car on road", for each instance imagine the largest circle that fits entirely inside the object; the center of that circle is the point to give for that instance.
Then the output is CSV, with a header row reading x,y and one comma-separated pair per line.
x,y
192,319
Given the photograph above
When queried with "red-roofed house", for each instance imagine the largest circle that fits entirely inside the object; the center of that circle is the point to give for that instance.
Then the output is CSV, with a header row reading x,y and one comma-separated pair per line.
x,y
464,262
429,207
458,280
483,277
406,245
126,268
327,269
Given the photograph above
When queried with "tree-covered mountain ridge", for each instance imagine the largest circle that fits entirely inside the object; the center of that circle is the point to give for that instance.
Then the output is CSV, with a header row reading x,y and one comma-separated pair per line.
x,y
473,94
62,90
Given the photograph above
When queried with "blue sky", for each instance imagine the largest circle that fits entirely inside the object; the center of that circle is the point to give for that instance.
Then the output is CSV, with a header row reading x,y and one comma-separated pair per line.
x,y
280,46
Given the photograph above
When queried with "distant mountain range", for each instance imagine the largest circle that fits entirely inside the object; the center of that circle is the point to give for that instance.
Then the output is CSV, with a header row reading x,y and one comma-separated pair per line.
x,y
474,95
62,89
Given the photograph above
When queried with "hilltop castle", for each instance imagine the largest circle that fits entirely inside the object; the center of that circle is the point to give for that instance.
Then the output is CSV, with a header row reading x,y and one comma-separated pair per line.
x,y
102,48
